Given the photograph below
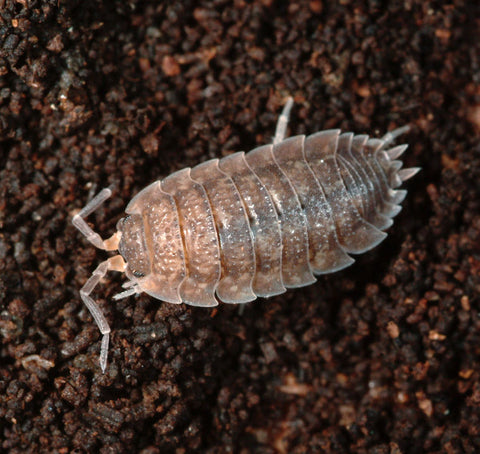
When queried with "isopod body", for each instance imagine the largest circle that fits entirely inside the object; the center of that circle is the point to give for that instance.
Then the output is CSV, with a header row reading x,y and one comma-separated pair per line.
x,y
253,224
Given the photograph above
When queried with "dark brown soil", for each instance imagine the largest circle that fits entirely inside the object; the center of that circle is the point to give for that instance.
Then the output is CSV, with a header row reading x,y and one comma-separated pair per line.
x,y
383,357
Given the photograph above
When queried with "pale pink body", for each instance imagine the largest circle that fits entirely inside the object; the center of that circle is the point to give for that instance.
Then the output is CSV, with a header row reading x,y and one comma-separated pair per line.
x,y
253,224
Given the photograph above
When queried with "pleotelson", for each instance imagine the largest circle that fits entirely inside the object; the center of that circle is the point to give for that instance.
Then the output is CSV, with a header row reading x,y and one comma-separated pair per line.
x,y
255,224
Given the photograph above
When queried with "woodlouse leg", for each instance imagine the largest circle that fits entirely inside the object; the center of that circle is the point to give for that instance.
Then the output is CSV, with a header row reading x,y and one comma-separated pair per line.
x,y
282,122
115,263
79,222
131,290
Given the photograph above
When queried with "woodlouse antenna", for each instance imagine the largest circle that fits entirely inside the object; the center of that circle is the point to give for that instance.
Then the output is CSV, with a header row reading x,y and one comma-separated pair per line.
x,y
115,263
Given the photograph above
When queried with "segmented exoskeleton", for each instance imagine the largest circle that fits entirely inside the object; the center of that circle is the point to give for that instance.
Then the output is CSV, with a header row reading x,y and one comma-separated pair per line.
x,y
253,224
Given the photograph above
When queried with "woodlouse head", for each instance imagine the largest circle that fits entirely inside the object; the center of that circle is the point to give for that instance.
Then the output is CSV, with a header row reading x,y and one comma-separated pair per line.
x,y
132,246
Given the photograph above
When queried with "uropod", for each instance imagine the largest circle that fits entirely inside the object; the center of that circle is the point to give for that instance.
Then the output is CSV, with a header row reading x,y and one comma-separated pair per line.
x,y
252,224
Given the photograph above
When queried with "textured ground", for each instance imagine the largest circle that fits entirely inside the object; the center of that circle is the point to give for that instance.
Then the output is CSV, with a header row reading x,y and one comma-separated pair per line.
x,y
380,358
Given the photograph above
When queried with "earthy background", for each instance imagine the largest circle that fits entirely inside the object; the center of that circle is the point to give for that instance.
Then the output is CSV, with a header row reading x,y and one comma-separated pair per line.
x,y
380,358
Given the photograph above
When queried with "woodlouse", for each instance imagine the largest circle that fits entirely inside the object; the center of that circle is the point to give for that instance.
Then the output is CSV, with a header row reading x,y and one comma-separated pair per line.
x,y
252,224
